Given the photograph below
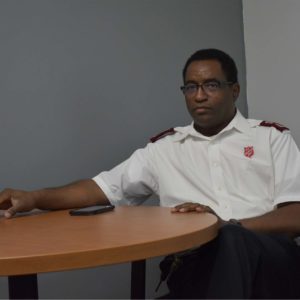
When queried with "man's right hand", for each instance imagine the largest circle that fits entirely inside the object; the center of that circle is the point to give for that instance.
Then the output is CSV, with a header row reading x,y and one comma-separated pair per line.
x,y
13,201
78,194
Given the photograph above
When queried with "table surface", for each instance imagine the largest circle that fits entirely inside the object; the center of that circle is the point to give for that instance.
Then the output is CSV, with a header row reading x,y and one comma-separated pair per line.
x,y
56,241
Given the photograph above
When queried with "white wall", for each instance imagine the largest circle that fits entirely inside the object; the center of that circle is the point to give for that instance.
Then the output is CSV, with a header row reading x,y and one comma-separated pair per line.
x,y
272,45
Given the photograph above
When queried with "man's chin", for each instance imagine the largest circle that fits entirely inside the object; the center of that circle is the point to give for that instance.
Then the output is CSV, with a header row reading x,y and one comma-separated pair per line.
x,y
204,121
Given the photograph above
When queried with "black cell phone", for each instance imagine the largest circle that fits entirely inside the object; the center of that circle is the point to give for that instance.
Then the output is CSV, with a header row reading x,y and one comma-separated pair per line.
x,y
91,210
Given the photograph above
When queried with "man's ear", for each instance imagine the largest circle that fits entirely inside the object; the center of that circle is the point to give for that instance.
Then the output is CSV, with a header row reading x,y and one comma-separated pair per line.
x,y
235,91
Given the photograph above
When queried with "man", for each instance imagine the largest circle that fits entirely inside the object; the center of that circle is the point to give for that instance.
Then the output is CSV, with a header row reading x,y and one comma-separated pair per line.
x,y
247,172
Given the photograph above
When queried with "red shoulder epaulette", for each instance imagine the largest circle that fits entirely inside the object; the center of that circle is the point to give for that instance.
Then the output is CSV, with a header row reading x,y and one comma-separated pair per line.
x,y
162,135
278,126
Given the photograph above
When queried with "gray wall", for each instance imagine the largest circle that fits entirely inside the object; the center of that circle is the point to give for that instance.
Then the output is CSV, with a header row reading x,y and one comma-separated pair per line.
x,y
83,83
272,41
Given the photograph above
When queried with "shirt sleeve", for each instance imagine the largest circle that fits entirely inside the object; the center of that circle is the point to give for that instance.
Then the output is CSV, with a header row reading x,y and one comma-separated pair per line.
x,y
286,158
131,182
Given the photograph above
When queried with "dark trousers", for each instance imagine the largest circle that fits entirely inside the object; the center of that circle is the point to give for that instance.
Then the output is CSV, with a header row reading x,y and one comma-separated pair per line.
x,y
240,264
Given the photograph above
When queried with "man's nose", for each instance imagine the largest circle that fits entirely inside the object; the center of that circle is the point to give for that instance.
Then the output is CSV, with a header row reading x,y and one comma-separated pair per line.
x,y
201,95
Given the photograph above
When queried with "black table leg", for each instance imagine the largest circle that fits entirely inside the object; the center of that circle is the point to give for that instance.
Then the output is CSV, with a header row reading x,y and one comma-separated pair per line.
x,y
138,279
23,286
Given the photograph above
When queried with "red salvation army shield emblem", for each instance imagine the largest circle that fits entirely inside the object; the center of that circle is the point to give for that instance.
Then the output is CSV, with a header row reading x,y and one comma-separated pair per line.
x,y
249,151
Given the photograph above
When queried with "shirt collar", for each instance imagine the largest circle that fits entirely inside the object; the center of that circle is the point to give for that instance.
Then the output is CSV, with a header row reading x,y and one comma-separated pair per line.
x,y
239,122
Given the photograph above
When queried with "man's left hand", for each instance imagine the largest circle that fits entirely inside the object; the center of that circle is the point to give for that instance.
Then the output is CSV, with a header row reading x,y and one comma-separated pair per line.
x,y
190,206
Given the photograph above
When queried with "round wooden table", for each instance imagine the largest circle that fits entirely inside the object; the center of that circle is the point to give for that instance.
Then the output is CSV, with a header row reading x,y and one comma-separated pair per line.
x,y
56,241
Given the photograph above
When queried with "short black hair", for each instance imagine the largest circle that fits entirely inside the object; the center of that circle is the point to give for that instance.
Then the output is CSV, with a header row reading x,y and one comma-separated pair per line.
x,y
227,63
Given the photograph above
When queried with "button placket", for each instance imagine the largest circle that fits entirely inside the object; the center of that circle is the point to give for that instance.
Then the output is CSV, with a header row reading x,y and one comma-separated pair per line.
x,y
215,167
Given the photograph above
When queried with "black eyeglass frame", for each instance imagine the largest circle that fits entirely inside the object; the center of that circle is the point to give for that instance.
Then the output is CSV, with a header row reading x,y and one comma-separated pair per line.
x,y
202,85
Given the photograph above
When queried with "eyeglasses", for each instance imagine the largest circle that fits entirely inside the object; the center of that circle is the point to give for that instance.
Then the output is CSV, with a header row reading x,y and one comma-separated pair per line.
x,y
208,87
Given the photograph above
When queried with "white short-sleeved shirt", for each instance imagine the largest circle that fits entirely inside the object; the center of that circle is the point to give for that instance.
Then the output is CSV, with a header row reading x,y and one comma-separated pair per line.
x,y
242,172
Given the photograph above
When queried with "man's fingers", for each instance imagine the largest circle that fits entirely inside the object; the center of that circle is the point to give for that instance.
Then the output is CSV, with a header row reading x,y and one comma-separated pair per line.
x,y
181,207
9,212
13,201
189,206
202,208
15,207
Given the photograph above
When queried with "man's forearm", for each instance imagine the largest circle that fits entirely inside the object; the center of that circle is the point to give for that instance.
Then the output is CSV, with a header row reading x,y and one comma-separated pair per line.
x,y
78,194
285,219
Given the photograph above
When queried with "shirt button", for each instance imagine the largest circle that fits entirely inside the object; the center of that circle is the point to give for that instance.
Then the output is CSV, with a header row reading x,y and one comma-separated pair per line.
x,y
215,164
114,188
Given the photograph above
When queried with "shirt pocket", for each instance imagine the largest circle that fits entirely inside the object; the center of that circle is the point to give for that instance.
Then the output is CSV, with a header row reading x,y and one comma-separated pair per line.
x,y
247,177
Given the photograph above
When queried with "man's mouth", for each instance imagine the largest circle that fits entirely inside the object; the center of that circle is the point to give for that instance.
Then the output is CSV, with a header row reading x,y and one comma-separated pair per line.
x,y
201,110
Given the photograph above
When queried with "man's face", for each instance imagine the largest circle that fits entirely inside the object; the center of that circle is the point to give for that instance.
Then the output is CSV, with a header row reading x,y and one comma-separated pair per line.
x,y
211,110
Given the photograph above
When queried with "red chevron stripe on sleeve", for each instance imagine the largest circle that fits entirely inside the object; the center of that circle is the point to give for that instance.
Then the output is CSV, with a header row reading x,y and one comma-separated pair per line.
x,y
278,126
162,135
